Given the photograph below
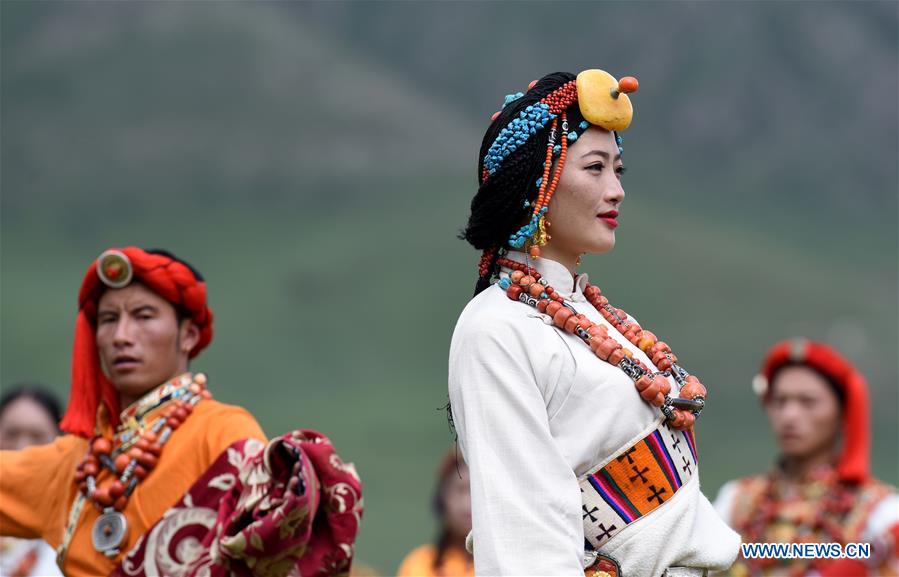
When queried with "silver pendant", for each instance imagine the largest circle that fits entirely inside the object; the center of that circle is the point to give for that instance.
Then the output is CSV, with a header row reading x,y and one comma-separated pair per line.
x,y
110,530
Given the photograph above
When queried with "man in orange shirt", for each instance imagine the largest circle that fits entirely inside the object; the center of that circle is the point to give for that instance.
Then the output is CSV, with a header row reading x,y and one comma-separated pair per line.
x,y
142,430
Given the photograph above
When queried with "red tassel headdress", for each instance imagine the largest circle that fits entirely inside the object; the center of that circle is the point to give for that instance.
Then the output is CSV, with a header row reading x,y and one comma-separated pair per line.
x,y
166,276
853,464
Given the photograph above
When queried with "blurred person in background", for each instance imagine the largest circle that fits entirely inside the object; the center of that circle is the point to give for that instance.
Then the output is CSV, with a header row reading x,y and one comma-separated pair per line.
x,y
575,421
153,468
820,489
29,415
446,557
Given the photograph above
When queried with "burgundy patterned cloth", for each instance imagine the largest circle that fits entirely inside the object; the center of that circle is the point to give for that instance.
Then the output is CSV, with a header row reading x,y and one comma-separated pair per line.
x,y
287,508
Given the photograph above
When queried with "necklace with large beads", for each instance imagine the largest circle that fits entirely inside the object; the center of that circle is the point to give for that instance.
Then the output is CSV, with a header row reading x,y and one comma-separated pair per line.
x,y
524,284
131,461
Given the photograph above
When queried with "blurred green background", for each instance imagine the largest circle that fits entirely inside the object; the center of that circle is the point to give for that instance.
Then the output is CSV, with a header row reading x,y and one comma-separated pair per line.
x,y
316,160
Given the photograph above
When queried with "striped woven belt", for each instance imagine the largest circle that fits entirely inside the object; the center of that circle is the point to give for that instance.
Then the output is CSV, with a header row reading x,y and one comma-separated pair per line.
x,y
636,481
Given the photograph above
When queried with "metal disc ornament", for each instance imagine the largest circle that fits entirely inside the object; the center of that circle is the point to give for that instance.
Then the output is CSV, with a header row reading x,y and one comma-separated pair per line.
x,y
110,530
114,269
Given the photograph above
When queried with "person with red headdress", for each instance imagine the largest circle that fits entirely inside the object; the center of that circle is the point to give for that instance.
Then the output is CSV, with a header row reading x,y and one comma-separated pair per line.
x,y
154,476
820,490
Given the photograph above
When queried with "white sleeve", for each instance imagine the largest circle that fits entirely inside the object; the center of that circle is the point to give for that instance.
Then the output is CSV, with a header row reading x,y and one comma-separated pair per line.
x,y
724,502
882,518
525,497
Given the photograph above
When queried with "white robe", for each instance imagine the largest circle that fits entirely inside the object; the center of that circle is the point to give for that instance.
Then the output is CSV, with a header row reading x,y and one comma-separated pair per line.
x,y
535,411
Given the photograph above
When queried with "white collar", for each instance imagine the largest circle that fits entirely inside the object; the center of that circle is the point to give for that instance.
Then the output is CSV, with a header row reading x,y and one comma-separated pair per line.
x,y
556,274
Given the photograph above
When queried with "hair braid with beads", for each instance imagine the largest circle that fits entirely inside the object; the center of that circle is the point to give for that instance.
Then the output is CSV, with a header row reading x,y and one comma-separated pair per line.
x,y
498,208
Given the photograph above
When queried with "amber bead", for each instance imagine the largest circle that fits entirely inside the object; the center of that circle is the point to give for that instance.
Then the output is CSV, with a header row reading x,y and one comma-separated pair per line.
x,y
142,444
195,388
180,414
200,379
516,276
647,341
628,353
603,301
120,503
135,453
513,292
535,290
571,324
534,251
140,472
90,469
150,436
678,421
591,292
173,423
154,449
689,419
526,281
542,304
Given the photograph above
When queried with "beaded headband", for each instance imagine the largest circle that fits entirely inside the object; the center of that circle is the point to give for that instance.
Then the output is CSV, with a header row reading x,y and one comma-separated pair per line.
x,y
603,102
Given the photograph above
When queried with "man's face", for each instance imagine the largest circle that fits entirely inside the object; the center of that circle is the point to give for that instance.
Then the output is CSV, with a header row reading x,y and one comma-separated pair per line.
x,y
804,412
140,340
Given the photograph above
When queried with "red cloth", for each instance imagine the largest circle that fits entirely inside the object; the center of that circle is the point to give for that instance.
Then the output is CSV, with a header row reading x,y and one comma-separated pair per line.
x,y
167,277
290,508
853,464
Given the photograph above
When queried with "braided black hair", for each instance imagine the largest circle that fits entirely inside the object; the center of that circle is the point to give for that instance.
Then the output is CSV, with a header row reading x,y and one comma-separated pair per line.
x,y
498,208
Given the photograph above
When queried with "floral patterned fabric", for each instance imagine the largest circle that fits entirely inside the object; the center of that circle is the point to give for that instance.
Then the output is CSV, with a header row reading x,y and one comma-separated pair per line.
x,y
289,508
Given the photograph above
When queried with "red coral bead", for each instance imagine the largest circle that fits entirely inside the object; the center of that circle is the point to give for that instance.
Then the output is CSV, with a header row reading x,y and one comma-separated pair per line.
x,y
562,315
101,446
616,356
116,489
121,462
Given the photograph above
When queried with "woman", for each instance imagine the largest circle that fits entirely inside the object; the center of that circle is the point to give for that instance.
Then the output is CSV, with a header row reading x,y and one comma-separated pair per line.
x,y
28,416
452,504
821,489
576,423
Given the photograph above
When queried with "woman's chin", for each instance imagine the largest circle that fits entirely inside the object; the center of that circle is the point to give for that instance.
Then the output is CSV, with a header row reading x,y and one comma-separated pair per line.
x,y
603,245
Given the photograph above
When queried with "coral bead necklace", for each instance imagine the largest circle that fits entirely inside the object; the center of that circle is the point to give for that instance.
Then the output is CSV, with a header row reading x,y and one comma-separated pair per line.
x,y
524,284
137,452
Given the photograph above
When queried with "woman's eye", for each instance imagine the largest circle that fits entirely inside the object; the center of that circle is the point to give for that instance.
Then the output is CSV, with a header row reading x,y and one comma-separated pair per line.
x,y
620,170
596,167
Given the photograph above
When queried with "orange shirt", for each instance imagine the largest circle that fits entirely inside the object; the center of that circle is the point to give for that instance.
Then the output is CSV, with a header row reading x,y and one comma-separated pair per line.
x,y
37,484
420,563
